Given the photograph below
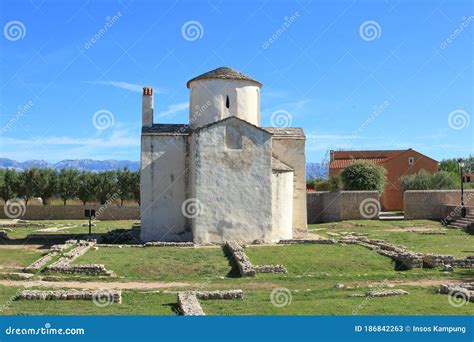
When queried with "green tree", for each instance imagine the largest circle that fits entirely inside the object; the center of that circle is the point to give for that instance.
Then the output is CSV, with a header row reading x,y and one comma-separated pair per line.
x,y
125,184
443,180
87,187
363,176
136,186
8,184
45,184
68,184
26,184
423,180
106,185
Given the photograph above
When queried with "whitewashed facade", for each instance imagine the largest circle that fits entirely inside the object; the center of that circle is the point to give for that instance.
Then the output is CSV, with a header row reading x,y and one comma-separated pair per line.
x,y
221,177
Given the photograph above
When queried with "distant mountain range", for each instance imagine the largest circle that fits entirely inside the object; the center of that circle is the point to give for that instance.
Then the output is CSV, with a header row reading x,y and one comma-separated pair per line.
x,y
317,170
78,164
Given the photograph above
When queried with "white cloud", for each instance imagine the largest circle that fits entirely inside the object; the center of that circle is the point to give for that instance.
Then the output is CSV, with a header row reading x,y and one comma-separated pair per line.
x,y
125,85
173,109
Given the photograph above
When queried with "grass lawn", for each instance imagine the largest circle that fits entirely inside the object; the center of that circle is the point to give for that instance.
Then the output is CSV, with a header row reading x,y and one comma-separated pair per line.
x,y
456,242
19,256
330,301
69,227
133,303
313,271
158,263
314,301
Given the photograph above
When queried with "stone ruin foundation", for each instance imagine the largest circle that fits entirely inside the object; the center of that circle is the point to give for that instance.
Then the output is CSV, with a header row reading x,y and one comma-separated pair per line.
x,y
246,269
464,291
188,301
96,295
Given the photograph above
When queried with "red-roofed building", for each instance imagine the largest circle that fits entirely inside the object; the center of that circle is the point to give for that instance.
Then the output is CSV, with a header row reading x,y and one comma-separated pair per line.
x,y
397,163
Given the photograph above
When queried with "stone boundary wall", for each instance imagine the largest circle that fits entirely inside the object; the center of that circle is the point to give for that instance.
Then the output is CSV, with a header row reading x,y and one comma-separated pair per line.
x,y
428,204
76,212
98,295
326,206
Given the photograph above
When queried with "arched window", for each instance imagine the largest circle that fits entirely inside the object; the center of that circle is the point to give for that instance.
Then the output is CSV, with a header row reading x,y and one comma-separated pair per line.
x,y
227,102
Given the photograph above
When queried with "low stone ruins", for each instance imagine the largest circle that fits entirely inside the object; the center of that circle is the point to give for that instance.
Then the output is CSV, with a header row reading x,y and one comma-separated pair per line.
x,y
307,241
246,269
382,293
188,301
45,259
464,291
406,259
96,295
63,265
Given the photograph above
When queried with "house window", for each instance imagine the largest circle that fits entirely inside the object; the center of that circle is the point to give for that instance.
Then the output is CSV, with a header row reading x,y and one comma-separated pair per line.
x,y
411,160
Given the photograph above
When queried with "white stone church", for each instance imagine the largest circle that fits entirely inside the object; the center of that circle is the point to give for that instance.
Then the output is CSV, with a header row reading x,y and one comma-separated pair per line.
x,y
221,177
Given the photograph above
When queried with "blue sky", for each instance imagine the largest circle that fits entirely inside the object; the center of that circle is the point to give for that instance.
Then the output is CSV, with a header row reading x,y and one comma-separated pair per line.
x,y
355,74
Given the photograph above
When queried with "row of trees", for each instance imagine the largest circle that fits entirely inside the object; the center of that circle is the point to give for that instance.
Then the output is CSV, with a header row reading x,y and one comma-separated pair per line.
x,y
70,184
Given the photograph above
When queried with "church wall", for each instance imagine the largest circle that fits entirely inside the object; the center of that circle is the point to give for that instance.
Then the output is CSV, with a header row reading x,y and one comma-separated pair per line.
x,y
291,151
282,205
232,184
244,101
162,187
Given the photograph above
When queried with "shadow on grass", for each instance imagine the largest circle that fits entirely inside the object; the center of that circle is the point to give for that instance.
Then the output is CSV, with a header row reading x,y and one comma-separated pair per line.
x,y
234,271
173,307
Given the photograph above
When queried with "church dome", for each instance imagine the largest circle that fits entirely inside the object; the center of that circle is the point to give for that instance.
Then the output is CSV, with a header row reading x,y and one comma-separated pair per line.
x,y
224,73
223,92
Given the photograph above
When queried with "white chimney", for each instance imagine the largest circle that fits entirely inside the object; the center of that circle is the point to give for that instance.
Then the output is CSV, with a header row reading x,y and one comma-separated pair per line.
x,y
147,107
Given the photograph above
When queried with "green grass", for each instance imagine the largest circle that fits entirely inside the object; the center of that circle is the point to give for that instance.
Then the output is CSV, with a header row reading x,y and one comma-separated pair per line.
x,y
161,263
313,270
330,301
78,228
456,242
133,303
311,301
19,256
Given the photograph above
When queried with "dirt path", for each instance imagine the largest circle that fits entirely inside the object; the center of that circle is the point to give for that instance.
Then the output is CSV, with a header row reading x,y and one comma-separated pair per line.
x,y
96,285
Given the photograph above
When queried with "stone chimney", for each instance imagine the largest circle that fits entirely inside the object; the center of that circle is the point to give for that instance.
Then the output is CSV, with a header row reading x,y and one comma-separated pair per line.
x,y
147,107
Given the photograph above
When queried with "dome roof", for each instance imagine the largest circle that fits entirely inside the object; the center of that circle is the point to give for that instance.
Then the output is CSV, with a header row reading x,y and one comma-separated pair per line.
x,y
224,73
